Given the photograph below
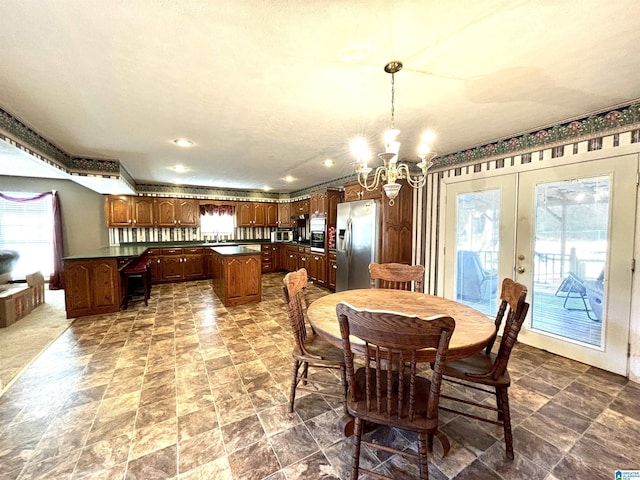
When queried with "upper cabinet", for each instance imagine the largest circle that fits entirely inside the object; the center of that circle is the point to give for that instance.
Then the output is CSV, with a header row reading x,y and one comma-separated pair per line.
x,y
284,215
143,212
324,202
354,192
256,214
177,212
271,214
127,211
300,207
117,211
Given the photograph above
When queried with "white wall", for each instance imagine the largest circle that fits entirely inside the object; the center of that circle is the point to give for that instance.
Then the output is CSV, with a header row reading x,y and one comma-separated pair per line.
x,y
83,222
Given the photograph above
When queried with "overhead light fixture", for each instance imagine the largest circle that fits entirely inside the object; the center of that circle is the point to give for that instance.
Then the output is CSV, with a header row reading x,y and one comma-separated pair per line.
x,y
289,178
179,169
183,142
328,162
391,171
266,188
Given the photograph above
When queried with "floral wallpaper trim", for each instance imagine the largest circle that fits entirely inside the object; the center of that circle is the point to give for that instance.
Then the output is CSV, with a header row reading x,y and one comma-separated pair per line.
x,y
607,123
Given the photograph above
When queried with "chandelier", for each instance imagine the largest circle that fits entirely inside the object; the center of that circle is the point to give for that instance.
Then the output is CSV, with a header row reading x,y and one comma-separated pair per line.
x,y
391,171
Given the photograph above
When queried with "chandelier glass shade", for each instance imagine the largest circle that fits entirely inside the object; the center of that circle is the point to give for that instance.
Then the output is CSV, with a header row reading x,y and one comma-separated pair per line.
x,y
391,170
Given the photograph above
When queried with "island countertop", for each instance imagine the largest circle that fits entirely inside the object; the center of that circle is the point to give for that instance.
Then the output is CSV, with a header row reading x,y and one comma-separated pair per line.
x,y
235,250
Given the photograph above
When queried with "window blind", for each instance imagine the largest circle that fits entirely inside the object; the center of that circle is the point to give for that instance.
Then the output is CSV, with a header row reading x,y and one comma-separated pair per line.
x,y
27,227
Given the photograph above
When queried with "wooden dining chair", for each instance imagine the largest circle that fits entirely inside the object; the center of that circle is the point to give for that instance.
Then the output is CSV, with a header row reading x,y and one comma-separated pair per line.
x,y
310,350
397,276
489,369
387,389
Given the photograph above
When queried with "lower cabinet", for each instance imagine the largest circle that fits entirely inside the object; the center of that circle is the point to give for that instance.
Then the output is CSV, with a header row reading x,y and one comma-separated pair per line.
x,y
291,259
176,264
332,267
92,287
317,268
237,278
267,258
193,263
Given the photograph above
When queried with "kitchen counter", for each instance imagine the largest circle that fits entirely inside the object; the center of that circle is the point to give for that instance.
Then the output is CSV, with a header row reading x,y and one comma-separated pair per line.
x,y
234,250
111,252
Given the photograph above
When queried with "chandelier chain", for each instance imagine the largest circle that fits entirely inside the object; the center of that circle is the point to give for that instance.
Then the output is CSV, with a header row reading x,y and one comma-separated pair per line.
x,y
393,100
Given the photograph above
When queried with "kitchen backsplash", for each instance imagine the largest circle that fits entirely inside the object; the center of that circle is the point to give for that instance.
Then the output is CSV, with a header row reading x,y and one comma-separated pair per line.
x,y
146,235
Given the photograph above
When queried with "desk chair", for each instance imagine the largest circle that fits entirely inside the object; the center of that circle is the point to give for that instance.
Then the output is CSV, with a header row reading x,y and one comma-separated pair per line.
x,y
310,350
387,390
396,276
490,369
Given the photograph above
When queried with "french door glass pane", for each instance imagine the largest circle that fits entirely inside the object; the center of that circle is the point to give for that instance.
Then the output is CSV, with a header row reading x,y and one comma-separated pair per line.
x,y
477,245
570,251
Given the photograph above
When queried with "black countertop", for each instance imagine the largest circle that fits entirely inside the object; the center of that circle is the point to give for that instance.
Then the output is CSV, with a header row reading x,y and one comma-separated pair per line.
x,y
131,250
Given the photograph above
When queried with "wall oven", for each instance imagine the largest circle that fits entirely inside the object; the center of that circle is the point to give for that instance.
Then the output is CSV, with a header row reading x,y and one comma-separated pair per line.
x,y
317,233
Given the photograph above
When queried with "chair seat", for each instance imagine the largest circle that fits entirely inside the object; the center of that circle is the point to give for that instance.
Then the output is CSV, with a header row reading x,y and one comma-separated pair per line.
x,y
475,367
319,347
136,269
419,423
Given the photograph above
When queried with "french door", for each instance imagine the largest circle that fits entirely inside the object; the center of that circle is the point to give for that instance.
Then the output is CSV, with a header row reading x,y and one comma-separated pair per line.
x,y
567,233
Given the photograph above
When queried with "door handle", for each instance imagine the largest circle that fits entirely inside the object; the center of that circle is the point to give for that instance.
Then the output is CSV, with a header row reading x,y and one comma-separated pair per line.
x,y
520,269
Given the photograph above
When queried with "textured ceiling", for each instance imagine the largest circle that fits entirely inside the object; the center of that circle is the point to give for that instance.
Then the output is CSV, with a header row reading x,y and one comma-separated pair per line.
x,y
266,89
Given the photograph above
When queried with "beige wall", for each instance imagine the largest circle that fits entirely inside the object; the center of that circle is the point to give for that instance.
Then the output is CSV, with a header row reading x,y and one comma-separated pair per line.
x,y
82,210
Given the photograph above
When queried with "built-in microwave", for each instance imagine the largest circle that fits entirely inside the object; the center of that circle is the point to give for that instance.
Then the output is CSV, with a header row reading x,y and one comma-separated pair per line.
x,y
317,232
282,236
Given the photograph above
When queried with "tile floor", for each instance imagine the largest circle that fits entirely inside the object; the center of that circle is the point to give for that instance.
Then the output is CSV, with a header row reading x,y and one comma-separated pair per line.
x,y
189,389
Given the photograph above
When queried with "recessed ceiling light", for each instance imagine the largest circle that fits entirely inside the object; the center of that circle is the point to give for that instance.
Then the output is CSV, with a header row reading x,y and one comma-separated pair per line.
x,y
179,168
289,178
266,188
183,142
328,162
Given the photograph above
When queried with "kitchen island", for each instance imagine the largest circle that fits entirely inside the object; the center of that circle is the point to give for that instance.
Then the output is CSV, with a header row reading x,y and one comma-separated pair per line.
x,y
92,283
237,274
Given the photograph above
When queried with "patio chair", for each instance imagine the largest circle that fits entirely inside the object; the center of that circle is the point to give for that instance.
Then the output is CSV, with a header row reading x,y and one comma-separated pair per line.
x,y
473,282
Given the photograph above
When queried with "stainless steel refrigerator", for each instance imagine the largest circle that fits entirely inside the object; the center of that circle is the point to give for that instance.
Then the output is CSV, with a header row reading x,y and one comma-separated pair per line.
x,y
357,242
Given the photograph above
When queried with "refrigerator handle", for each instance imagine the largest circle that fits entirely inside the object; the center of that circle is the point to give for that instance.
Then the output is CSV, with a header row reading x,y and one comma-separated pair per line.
x,y
347,238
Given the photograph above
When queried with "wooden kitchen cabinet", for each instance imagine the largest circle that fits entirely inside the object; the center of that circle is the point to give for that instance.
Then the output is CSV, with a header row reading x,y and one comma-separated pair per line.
x,y
300,207
284,215
117,211
318,202
237,278
317,268
154,255
177,212
172,268
252,214
92,287
271,214
193,263
143,210
176,264
396,227
354,192
267,258
332,267
291,258
127,211
334,197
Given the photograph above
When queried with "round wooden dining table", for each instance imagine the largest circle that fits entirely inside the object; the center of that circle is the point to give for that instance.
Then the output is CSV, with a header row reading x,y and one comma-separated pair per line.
x,y
472,332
